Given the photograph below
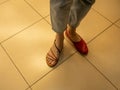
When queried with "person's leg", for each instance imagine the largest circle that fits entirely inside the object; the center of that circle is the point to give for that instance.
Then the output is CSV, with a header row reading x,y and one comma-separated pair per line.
x,y
59,12
78,11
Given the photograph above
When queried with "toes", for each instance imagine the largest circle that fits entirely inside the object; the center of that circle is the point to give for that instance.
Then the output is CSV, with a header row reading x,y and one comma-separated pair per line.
x,y
51,62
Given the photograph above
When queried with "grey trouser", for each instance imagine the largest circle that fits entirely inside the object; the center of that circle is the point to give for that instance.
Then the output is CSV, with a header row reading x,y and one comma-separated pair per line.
x,y
70,12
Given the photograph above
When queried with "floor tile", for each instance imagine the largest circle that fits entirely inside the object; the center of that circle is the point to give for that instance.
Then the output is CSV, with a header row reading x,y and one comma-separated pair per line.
x,y
10,79
15,15
92,25
74,74
108,8
28,50
1,1
41,6
104,53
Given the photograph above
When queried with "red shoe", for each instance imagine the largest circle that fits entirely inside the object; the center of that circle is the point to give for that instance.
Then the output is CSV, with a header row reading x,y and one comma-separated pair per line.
x,y
80,46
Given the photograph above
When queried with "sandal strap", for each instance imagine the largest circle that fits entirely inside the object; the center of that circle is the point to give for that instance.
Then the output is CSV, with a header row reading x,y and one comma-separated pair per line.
x,y
50,56
57,47
53,57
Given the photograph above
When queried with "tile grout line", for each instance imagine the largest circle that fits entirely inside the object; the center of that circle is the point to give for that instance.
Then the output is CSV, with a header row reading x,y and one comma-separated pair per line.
x,y
4,2
100,72
106,17
15,65
21,30
28,88
116,24
47,16
47,20
33,8
54,68
116,21
37,11
102,15
112,23
100,33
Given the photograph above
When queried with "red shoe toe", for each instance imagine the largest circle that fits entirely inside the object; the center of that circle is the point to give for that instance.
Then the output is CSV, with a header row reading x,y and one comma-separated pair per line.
x,y
81,46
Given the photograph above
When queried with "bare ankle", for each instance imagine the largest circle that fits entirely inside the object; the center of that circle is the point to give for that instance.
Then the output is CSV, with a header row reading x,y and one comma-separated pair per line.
x,y
59,40
71,30
59,36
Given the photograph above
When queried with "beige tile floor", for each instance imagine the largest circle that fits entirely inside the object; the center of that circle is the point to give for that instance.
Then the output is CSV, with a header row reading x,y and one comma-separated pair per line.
x,y
26,36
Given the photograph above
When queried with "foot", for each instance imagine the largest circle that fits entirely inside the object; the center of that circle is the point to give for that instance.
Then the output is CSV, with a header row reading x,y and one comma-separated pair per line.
x,y
78,42
53,55
73,35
